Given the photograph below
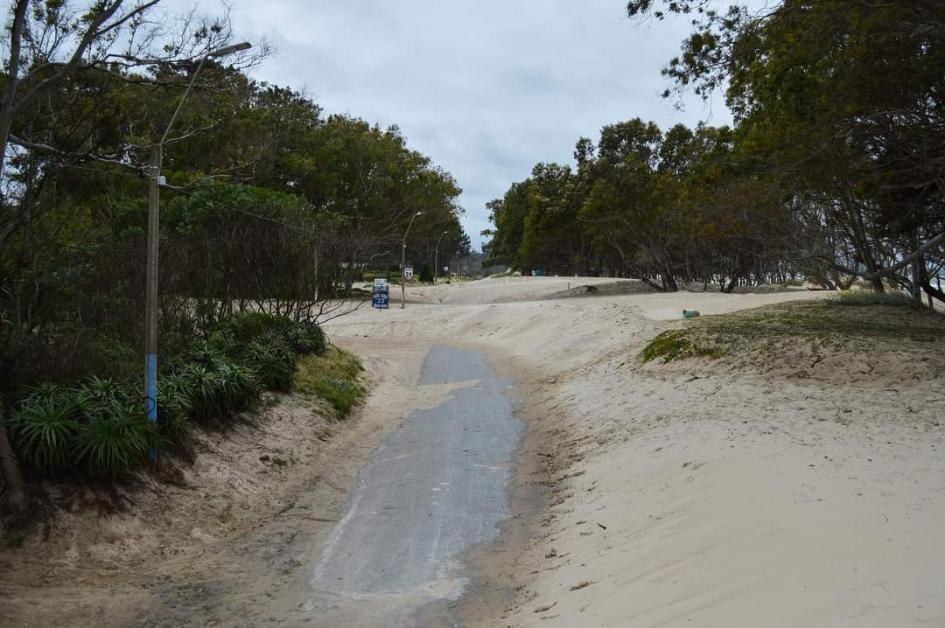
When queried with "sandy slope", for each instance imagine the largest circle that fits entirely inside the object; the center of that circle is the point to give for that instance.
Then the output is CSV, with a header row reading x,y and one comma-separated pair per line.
x,y
701,496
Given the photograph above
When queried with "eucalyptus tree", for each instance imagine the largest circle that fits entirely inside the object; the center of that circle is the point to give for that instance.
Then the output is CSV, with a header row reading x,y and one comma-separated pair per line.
x,y
842,103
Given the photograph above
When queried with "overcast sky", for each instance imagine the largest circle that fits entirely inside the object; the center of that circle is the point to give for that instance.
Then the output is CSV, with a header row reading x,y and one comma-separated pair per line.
x,y
486,88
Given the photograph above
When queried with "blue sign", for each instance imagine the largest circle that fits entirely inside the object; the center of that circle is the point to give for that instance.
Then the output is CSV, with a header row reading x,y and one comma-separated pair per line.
x,y
380,295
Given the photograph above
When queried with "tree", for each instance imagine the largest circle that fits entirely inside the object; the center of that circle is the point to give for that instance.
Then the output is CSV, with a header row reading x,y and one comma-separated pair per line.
x,y
842,102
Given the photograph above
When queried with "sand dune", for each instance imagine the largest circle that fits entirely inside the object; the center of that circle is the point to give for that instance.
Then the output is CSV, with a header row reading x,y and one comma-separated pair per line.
x,y
700,496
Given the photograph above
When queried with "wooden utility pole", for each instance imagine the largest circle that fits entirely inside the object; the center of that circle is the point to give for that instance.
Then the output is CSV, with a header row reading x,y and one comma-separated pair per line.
x,y
151,291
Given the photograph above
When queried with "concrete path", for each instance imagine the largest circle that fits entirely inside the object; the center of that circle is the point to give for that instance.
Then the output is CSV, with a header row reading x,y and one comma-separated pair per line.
x,y
435,488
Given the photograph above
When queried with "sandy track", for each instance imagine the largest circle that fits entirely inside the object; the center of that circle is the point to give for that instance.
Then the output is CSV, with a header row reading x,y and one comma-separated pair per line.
x,y
701,497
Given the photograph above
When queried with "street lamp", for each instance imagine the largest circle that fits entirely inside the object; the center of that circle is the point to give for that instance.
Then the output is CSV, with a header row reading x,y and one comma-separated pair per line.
x,y
403,264
154,206
436,258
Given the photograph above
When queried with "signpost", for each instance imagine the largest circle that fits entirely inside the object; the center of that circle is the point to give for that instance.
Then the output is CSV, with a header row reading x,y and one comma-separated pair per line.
x,y
408,273
380,295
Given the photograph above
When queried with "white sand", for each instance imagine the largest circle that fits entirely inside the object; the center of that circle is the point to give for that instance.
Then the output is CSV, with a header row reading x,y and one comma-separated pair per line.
x,y
724,498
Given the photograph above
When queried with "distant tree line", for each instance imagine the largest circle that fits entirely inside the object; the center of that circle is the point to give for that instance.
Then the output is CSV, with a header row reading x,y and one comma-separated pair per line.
x,y
834,170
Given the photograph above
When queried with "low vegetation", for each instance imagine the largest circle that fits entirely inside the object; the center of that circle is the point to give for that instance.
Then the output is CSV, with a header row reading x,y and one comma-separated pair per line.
x,y
857,317
334,377
99,428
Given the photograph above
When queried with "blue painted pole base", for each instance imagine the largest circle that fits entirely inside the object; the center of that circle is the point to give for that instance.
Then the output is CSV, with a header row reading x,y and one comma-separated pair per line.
x,y
150,393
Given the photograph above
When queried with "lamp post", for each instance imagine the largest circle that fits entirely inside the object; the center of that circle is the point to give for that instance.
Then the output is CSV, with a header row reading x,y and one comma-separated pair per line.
x,y
154,207
403,263
436,258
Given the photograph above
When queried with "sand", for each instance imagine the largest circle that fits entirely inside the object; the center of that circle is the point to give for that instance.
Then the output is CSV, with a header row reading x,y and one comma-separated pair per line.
x,y
706,494
702,495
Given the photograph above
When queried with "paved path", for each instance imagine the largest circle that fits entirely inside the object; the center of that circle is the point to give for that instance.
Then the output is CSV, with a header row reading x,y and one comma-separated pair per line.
x,y
435,487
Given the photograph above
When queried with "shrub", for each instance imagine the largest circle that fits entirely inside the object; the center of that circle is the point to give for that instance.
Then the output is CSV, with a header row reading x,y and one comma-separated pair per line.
x,y
98,396
244,327
205,354
239,387
115,443
205,388
871,297
219,390
174,408
272,361
306,338
44,426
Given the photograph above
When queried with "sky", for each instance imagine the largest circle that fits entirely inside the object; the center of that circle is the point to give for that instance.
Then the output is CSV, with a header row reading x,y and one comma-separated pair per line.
x,y
486,88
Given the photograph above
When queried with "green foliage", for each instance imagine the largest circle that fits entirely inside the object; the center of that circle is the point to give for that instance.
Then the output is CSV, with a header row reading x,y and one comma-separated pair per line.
x,y
220,390
272,360
95,427
115,443
247,326
870,297
97,397
677,345
306,338
333,377
175,407
44,427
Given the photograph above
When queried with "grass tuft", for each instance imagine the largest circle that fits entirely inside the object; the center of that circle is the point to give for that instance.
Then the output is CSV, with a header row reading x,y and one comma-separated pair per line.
x,y
678,344
334,377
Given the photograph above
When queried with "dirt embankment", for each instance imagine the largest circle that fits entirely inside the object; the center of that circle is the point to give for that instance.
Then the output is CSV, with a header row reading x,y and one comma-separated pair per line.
x,y
226,538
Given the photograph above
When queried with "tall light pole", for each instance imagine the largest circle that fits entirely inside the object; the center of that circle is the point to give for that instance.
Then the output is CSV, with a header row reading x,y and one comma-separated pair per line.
x,y
436,258
403,263
154,210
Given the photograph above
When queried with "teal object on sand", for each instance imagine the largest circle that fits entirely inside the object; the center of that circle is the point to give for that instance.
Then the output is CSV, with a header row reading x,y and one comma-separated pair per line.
x,y
690,313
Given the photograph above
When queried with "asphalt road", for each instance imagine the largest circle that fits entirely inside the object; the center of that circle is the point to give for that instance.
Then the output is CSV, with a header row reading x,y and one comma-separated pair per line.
x,y
434,488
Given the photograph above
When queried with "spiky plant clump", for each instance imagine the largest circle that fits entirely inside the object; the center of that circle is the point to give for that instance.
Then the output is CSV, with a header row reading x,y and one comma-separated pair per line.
x,y
174,408
219,391
44,427
98,396
206,391
205,354
115,443
239,387
272,361
245,327
306,338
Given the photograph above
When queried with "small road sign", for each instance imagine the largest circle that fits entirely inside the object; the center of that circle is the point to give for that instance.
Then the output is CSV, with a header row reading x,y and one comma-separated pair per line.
x,y
380,295
408,272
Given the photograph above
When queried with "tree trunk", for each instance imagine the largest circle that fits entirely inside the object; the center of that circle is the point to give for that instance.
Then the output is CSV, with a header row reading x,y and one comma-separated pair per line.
x,y
16,491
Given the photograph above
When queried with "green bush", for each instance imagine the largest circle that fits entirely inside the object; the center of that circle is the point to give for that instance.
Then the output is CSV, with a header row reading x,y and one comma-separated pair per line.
x,y
220,390
44,426
98,396
174,408
115,443
240,387
272,360
244,327
306,338
871,297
